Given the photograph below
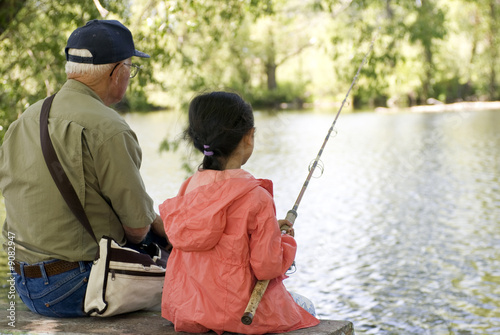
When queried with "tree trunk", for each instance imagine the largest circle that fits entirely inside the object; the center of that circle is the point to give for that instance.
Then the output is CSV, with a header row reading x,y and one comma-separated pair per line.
x,y
271,76
428,65
270,61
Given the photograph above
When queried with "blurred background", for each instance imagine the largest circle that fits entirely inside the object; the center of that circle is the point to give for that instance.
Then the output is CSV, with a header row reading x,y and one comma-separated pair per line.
x,y
273,52
400,233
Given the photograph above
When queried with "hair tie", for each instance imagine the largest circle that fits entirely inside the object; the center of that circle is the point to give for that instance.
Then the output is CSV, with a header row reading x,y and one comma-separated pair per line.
x,y
207,153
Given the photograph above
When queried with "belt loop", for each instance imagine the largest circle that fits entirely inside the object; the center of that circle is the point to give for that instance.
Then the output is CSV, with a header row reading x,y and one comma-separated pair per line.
x,y
23,277
44,274
83,268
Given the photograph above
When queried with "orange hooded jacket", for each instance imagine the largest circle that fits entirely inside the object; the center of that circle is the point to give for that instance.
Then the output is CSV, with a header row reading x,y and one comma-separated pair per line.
x,y
225,235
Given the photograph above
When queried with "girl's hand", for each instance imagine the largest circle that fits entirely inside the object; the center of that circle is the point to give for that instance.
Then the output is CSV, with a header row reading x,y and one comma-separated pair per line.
x,y
286,227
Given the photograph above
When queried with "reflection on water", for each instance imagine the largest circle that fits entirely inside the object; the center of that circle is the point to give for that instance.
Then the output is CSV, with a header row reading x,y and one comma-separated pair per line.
x,y
399,235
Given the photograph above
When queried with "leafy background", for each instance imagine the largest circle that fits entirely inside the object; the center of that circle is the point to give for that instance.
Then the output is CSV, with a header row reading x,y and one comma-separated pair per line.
x,y
276,53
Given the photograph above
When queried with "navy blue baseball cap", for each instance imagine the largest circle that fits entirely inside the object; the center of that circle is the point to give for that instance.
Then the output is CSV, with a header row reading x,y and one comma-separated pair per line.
x,y
108,41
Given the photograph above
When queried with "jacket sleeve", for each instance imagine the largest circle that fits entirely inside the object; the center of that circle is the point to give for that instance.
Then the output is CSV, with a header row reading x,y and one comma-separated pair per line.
x,y
271,253
117,164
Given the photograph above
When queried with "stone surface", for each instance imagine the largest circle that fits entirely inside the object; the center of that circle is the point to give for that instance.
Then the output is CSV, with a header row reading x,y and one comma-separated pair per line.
x,y
27,322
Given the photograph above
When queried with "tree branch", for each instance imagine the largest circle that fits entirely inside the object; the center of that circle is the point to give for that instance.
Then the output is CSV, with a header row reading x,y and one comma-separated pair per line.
x,y
294,53
8,11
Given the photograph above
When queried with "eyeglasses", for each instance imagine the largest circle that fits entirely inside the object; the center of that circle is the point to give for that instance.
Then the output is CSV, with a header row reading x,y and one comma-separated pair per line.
x,y
134,69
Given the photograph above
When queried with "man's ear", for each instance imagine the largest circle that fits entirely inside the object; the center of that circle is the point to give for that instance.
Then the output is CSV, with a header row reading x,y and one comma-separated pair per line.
x,y
115,76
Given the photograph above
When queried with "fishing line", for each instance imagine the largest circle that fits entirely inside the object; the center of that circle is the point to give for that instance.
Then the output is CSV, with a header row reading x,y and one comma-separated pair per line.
x,y
292,213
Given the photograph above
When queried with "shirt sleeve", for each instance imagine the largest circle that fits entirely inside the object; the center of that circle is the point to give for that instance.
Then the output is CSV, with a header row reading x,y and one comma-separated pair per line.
x,y
117,164
271,253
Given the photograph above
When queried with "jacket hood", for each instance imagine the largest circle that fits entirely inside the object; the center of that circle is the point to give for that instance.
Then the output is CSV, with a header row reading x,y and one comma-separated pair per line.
x,y
196,221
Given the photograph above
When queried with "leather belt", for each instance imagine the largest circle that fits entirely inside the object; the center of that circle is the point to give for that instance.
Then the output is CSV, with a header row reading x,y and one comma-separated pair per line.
x,y
51,269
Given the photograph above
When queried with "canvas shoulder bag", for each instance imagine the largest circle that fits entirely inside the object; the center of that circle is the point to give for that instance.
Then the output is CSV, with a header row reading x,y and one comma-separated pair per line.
x,y
122,279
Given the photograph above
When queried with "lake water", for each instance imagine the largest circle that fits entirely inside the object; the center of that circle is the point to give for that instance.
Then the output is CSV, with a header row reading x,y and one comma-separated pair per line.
x,y
401,232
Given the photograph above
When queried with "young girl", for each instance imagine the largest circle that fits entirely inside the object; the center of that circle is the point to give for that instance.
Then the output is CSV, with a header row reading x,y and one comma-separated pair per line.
x,y
224,232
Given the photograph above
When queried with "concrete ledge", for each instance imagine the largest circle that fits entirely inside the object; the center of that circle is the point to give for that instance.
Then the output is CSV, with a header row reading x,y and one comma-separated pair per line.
x,y
134,323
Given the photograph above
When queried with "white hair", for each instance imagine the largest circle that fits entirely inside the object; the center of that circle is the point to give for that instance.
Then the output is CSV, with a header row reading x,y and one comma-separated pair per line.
x,y
85,68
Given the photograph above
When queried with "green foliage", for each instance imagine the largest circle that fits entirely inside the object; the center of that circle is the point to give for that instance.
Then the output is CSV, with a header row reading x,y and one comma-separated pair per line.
x,y
32,52
169,145
287,95
271,51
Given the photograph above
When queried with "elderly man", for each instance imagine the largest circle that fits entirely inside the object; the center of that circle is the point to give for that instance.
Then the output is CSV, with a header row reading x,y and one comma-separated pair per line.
x,y
101,156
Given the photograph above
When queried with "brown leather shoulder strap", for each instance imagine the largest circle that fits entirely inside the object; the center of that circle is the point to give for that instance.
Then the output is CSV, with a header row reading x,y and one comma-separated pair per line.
x,y
57,171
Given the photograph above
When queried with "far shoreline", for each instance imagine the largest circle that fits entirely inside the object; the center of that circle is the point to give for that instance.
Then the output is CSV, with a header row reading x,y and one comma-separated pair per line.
x,y
441,107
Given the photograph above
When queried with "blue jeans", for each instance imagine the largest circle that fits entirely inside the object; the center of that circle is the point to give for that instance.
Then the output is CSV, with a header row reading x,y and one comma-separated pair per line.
x,y
60,295
304,302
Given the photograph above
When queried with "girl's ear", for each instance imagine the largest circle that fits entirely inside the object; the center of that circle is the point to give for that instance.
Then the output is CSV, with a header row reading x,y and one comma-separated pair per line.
x,y
249,136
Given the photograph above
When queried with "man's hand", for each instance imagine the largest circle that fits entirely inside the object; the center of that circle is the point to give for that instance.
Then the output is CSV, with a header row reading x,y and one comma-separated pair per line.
x,y
136,235
157,226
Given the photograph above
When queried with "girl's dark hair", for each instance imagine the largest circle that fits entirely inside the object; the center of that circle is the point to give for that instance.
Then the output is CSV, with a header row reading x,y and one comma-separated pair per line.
x,y
217,123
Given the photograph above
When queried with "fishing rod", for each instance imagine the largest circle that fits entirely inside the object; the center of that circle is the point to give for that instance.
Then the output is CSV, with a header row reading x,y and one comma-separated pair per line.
x,y
261,285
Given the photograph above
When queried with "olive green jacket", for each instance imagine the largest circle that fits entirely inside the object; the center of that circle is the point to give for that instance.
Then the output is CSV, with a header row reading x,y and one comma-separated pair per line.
x,y
101,156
